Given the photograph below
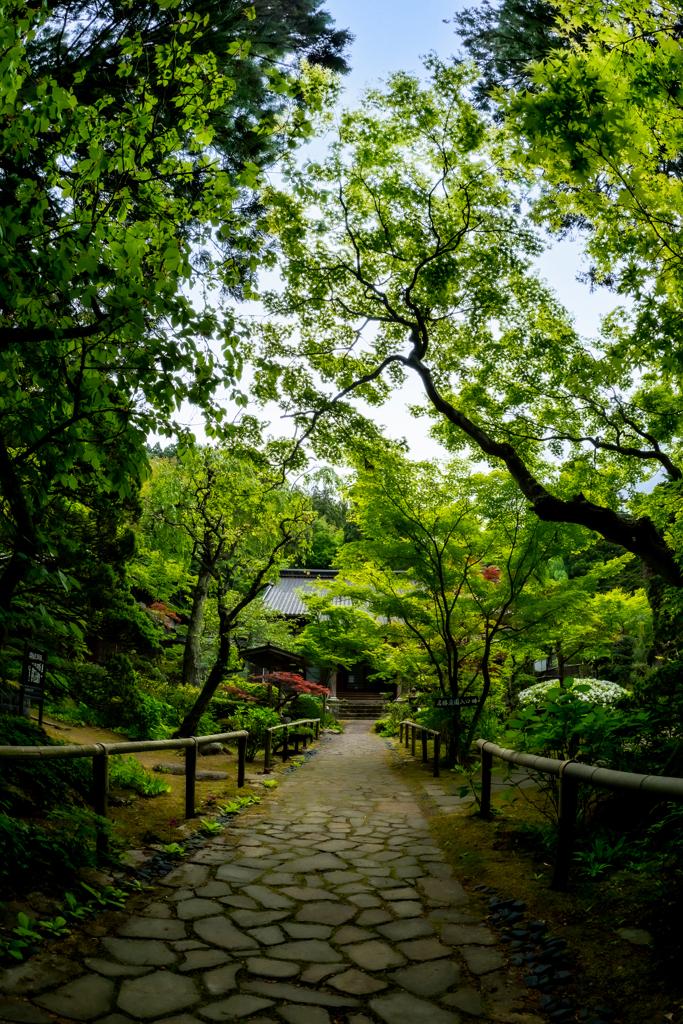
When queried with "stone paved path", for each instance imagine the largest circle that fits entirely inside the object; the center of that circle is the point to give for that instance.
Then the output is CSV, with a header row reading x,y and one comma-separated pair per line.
x,y
329,902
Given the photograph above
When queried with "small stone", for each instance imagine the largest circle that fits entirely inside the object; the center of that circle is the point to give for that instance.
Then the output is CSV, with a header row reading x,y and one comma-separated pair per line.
x,y
235,1006
636,936
304,1014
401,1008
148,928
83,999
256,918
242,902
180,894
374,955
467,999
463,934
111,970
307,931
281,990
323,913
428,979
200,959
405,893
408,929
301,895
209,749
271,968
161,992
307,949
341,877
221,932
267,898
190,875
12,1009
218,982
140,951
481,961
169,768
189,910
356,983
424,949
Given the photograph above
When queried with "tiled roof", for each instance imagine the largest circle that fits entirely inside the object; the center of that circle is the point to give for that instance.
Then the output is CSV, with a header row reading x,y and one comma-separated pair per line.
x,y
284,596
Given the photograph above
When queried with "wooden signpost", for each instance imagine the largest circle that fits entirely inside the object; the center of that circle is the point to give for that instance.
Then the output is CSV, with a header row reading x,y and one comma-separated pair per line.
x,y
33,677
456,702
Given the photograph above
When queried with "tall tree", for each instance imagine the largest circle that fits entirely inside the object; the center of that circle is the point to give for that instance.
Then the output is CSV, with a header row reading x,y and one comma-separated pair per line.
x,y
406,252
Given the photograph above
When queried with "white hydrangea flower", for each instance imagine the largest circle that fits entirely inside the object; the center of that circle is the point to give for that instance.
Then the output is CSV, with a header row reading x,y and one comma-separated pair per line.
x,y
600,691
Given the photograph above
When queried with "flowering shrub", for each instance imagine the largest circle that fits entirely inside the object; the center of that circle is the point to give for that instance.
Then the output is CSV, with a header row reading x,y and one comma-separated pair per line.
x,y
591,691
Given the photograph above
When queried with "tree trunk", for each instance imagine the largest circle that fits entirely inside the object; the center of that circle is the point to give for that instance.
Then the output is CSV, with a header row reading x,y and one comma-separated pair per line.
x,y
560,662
190,724
192,658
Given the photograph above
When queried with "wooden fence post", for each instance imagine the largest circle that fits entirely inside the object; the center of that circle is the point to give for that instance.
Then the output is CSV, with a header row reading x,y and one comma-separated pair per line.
x,y
100,785
406,736
413,735
190,774
241,759
569,795
486,767
424,746
296,744
317,728
269,745
437,755
285,752
400,732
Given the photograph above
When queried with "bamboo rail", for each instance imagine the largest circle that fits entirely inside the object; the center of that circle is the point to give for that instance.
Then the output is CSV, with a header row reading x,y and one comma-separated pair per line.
x,y
571,774
287,726
100,753
414,726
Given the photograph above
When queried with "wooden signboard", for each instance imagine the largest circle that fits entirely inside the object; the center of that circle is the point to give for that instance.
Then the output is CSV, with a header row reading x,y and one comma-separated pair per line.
x,y
33,677
456,702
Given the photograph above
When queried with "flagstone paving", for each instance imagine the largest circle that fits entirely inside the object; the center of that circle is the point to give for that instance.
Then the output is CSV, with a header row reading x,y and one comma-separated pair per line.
x,y
329,903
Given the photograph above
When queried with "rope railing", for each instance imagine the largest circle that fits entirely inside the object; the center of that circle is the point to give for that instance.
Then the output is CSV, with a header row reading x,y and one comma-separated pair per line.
x,y
285,736
414,726
571,774
100,753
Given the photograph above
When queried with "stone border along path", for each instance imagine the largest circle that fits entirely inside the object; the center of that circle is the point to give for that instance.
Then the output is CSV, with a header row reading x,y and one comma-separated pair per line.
x,y
327,903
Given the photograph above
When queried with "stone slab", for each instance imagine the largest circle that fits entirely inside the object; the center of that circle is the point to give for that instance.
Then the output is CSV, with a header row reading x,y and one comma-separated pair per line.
x,y
323,913
407,908
110,970
149,928
356,983
411,928
16,1010
482,961
281,990
235,1006
304,1014
318,862
374,955
424,949
217,983
37,974
212,890
190,875
84,999
257,918
140,952
221,932
307,931
158,993
267,898
464,934
189,910
233,873
428,979
201,959
270,935
405,893
268,968
466,999
443,889
315,950
401,1008
301,895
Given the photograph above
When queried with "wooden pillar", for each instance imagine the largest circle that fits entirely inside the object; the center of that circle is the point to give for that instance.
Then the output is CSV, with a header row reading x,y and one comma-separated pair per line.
x,y
285,752
269,746
423,734
437,755
486,767
317,728
569,798
100,785
241,760
413,734
190,777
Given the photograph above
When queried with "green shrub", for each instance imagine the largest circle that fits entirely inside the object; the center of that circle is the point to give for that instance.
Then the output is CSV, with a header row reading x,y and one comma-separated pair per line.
x,y
32,853
128,773
256,720
305,706
44,783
